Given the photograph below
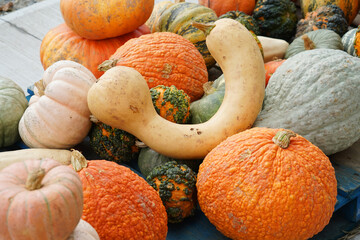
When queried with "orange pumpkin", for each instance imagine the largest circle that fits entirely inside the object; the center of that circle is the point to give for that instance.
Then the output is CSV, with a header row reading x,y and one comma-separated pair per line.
x,y
101,19
267,183
221,7
40,199
118,203
270,68
164,58
61,43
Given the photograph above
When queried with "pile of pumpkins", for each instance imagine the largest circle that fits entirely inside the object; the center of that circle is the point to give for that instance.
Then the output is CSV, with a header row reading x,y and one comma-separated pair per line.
x,y
229,106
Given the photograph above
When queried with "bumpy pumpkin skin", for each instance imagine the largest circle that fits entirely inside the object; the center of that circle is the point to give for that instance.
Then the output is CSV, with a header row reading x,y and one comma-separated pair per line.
x,y
120,204
171,103
12,106
251,188
61,43
329,17
276,18
165,58
49,212
103,19
113,144
323,108
349,7
221,7
175,184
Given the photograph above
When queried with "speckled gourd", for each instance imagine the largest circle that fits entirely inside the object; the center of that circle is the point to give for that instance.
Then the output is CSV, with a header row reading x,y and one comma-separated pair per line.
x,y
319,102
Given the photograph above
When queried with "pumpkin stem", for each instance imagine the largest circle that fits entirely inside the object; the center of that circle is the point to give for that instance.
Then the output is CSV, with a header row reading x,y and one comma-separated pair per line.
x,y
205,27
33,181
40,87
107,64
282,138
308,44
208,88
78,161
179,1
93,119
140,144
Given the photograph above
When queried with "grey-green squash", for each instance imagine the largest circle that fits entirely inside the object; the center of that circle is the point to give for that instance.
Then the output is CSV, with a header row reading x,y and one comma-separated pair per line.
x,y
351,42
316,94
203,109
322,38
12,106
148,159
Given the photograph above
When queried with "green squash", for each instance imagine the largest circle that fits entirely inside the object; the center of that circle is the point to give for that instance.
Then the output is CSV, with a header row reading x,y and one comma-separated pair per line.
x,y
178,19
12,106
276,18
329,17
322,38
176,185
113,144
351,42
203,109
316,94
246,20
148,159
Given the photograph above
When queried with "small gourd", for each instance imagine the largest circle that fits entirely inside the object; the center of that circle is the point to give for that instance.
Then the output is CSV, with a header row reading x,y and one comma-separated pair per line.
x,y
322,38
175,184
12,106
171,103
351,42
320,103
84,231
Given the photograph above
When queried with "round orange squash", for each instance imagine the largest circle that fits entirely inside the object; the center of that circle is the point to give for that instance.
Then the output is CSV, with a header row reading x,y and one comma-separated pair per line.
x,y
221,7
61,43
267,183
40,199
164,58
118,203
101,19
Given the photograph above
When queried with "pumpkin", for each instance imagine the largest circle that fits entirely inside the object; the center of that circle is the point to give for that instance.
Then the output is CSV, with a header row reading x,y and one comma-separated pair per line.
x,y
329,17
267,183
171,103
84,231
121,98
206,107
164,58
247,20
351,42
61,43
178,19
322,38
159,8
320,103
118,203
12,106
222,7
58,115
276,18
148,159
40,199
113,144
175,184
103,19
270,68
350,8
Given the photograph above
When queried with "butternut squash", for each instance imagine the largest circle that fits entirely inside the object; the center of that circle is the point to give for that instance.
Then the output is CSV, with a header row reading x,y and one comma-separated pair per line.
x,y
273,48
7,158
121,98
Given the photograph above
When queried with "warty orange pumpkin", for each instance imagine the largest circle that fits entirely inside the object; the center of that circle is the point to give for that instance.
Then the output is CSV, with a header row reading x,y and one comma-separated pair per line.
x,y
267,183
101,19
40,199
164,58
118,203
62,43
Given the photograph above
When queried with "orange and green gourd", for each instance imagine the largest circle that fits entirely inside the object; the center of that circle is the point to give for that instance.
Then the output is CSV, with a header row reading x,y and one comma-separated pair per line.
x,y
266,183
118,203
276,18
163,58
351,42
113,144
175,184
171,103
247,20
